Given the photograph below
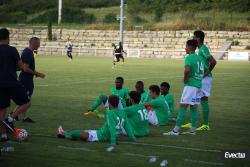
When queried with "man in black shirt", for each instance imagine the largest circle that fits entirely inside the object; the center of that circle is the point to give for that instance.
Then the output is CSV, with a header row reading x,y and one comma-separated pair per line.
x,y
10,87
118,53
27,74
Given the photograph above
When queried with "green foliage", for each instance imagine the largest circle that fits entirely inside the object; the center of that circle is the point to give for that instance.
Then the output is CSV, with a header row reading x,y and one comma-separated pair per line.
x,y
110,18
50,31
70,15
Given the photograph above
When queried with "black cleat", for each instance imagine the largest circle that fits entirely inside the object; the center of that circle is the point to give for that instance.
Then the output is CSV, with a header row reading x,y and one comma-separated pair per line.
x,y
28,120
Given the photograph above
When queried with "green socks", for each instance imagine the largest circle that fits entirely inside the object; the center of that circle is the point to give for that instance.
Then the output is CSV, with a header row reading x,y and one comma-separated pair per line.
x,y
181,116
194,116
73,135
98,102
205,111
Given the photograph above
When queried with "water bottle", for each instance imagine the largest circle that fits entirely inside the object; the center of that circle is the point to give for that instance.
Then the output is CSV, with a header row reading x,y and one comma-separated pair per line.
x,y
7,149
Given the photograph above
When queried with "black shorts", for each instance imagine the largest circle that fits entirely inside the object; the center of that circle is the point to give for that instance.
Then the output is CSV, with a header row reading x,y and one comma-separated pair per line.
x,y
17,94
118,56
28,87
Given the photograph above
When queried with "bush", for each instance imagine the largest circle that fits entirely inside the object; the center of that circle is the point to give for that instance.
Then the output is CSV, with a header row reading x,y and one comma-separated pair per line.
x,y
69,15
110,18
16,17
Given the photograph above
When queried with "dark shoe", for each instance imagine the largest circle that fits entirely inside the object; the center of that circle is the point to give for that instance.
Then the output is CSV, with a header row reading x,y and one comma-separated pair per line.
x,y
28,120
4,139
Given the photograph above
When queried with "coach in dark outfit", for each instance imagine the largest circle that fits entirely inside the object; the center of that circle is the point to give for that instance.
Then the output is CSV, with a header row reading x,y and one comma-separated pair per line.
x,y
10,87
27,74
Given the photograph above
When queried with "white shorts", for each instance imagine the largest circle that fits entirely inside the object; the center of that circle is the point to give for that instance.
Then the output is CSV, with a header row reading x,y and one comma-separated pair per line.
x,y
191,95
92,135
152,118
206,86
120,107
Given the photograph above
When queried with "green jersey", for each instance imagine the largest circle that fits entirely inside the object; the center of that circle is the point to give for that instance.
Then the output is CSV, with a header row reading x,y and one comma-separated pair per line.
x,y
170,100
204,54
145,97
122,93
197,70
161,108
116,122
138,119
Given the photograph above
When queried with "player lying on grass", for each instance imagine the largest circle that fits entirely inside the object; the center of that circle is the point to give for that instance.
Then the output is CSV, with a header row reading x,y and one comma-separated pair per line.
x,y
193,74
137,115
169,99
121,92
145,97
157,108
118,53
116,123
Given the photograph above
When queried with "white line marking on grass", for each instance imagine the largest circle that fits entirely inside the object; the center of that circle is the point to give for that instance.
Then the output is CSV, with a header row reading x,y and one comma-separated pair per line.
x,y
171,146
138,155
76,148
204,162
16,142
153,145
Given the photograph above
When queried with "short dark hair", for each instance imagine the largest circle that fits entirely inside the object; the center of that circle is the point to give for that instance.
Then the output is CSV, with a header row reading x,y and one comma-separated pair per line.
x,y
135,96
165,84
120,78
200,34
140,83
155,88
4,34
113,100
192,43
33,40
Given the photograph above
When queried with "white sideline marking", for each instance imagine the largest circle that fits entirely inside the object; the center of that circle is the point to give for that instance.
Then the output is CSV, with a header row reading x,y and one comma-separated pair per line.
x,y
105,80
153,145
138,155
76,148
171,146
204,162
16,142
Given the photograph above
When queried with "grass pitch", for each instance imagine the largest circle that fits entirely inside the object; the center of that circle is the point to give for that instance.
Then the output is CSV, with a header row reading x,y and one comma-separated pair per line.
x,y
70,88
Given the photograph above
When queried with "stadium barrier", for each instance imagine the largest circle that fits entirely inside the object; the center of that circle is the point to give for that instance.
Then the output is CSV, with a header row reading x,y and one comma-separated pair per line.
x,y
107,52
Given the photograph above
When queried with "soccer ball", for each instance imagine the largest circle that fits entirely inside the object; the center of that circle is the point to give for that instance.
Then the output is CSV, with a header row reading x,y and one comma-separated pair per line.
x,y
22,134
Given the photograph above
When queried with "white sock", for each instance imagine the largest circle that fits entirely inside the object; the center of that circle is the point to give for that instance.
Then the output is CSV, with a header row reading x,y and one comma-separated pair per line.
x,y
176,129
10,119
4,136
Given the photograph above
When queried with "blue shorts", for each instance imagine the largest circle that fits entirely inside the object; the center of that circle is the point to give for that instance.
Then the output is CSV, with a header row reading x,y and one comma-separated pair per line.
x,y
28,87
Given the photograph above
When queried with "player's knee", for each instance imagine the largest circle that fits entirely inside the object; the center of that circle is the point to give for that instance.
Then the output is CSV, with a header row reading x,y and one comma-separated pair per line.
x,y
84,136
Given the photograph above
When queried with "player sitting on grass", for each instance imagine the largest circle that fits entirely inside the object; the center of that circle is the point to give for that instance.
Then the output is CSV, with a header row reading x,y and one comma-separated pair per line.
x,y
116,122
157,108
137,115
193,75
169,99
121,92
145,97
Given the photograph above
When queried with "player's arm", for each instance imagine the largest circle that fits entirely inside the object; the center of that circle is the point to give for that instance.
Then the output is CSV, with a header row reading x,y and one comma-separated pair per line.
x,y
186,73
19,65
30,71
212,64
128,130
111,126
